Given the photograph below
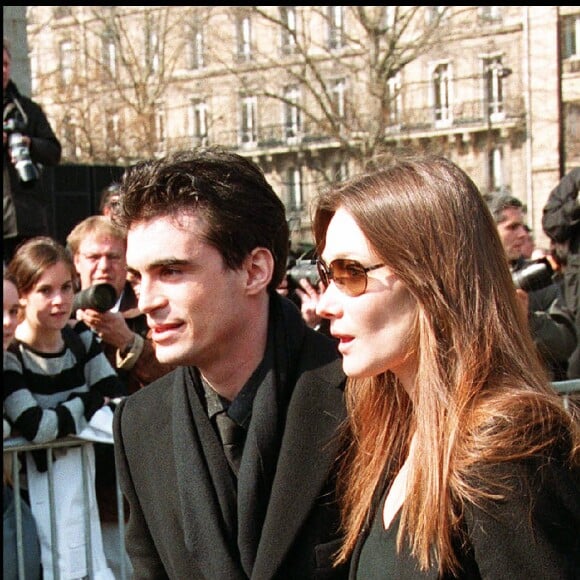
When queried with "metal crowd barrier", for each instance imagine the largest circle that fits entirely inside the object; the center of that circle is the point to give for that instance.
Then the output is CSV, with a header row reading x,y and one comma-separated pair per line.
x,y
15,445
567,388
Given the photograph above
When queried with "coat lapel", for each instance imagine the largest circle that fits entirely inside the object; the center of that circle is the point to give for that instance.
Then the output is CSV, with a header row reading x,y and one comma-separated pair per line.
x,y
306,458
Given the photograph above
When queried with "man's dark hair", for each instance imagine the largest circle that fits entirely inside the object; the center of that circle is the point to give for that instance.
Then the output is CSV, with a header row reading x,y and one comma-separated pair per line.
x,y
228,191
498,202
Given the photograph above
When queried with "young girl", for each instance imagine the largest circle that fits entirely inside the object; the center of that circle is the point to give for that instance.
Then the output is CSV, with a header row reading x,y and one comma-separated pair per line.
x,y
55,378
461,460
30,545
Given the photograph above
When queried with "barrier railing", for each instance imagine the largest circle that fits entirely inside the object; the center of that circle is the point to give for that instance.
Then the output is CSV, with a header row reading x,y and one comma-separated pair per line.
x,y
567,388
16,445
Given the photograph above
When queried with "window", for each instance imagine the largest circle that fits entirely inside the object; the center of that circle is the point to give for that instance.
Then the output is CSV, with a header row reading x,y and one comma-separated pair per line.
x,y
109,52
493,73
495,169
490,13
442,94
434,14
294,188
395,102
571,36
112,128
288,29
244,31
338,95
292,117
335,26
152,48
195,48
339,171
198,122
248,120
160,127
389,16
62,11
69,133
66,62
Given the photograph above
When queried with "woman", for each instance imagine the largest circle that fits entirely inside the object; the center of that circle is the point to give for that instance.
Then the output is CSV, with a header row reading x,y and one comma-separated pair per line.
x,y
460,460
55,378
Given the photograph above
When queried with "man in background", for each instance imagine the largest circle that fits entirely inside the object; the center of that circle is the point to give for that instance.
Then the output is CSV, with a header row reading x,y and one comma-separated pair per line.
x,y
551,322
561,223
29,143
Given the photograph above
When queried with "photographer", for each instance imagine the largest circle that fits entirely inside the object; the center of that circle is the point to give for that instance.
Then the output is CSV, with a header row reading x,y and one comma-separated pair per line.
x,y
561,223
29,143
303,286
550,321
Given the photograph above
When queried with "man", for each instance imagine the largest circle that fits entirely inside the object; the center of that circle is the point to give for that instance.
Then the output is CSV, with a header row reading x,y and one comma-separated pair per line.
x,y
551,322
25,200
98,248
208,241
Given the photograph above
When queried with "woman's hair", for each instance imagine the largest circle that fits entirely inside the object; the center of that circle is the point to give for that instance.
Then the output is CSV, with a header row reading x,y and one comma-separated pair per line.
x,y
32,258
481,392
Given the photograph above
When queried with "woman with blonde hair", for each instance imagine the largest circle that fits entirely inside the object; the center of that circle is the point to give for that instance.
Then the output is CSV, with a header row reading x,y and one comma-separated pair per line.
x,y
460,459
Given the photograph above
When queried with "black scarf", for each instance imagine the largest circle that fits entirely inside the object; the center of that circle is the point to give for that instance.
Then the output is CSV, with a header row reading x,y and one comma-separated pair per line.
x,y
235,521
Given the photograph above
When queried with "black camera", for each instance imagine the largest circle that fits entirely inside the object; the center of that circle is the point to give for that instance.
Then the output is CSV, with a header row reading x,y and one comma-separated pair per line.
x,y
19,151
304,268
536,274
101,297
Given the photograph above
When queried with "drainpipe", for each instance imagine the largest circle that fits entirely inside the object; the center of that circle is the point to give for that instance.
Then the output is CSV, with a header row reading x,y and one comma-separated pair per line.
x,y
528,109
561,135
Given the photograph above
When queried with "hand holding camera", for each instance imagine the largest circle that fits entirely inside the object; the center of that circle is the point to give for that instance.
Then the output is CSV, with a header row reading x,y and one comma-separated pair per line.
x,y
19,150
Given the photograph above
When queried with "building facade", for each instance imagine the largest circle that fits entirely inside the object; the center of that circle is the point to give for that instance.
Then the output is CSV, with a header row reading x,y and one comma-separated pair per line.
x,y
314,94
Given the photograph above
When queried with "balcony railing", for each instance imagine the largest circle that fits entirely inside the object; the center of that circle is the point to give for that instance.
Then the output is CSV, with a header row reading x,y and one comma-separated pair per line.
x,y
467,116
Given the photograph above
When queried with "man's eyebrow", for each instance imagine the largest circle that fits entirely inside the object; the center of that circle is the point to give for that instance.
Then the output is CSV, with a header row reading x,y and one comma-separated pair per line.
x,y
162,263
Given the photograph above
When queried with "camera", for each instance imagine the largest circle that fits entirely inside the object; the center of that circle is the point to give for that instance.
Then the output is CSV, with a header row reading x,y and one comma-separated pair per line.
x,y
101,297
19,151
304,268
534,275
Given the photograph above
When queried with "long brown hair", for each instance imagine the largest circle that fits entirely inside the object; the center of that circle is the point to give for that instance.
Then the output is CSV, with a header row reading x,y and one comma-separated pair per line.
x,y
481,394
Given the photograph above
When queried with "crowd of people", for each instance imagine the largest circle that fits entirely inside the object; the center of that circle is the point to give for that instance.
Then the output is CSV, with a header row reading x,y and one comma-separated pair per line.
x,y
393,418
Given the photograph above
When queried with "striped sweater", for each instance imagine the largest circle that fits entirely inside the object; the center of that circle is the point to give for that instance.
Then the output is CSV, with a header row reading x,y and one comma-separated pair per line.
x,y
51,395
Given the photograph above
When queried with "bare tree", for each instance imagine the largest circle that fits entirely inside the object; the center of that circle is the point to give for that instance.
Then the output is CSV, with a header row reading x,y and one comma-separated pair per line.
x,y
120,67
366,47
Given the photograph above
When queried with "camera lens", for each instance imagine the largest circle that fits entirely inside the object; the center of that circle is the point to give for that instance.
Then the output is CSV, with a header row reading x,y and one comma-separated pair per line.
x,y
101,297
533,276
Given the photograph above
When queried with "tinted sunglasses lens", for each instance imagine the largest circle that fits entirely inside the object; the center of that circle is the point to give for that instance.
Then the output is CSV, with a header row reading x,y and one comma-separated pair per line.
x,y
323,272
349,276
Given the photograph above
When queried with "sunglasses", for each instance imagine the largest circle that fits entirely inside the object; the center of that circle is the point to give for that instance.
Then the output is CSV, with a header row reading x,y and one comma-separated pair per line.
x,y
349,276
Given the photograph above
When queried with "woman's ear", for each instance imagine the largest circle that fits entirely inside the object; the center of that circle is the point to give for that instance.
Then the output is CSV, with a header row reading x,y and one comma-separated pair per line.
x,y
259,266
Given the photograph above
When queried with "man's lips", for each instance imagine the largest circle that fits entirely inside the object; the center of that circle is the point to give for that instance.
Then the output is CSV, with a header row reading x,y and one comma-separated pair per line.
x,y
164,331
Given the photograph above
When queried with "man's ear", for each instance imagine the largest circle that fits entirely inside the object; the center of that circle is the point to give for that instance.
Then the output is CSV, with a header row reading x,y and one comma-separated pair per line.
x,y
259,266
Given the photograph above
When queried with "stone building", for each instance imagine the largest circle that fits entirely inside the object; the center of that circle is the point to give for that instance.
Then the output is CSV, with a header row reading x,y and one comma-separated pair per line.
x,y
313,93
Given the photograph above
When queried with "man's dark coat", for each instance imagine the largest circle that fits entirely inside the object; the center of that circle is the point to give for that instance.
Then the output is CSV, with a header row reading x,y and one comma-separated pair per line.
x,y
184,522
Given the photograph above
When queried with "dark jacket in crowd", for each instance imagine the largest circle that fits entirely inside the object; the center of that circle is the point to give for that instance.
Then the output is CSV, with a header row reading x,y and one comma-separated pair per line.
x,y
561,223
552,326
187,517
31,200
